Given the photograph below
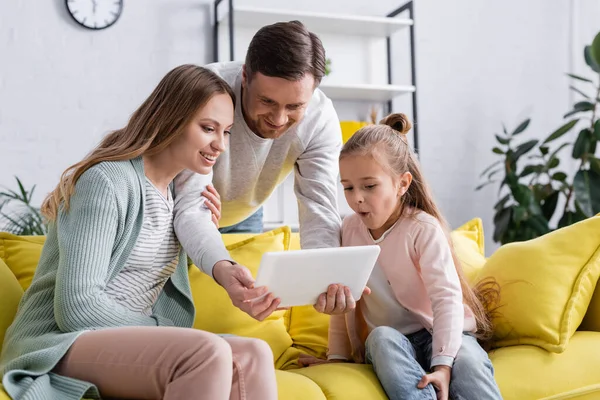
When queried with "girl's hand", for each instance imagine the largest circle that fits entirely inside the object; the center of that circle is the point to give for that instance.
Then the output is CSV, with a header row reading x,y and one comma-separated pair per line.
x,y
440,379
337,300
213,203
306,360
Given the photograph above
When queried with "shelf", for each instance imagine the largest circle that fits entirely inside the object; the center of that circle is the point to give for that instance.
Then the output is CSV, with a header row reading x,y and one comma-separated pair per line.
x,y
250,17
364,92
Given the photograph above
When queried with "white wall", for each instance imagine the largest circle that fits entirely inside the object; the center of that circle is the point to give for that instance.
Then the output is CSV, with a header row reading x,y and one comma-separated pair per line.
x,y
479,64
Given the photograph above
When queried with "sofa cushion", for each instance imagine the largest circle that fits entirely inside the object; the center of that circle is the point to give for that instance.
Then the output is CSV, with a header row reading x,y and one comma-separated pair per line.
x,y
11,295
468,242
546,285
215,312
21,254
591,322
529,372
341,381
296,387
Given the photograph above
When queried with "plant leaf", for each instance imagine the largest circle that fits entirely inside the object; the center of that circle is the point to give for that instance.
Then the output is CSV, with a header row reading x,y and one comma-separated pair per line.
x,y
497,150
555,152
544,150
582,144
577,90
519,214
500,204
581,106
522,194
559,176
521,127
569,218
484,185
549,206
586,186
595,164
524,148
595,50
561,131
580,78
502,140
597,130
501,221
553,163
589,59
531,169
539,225
485,171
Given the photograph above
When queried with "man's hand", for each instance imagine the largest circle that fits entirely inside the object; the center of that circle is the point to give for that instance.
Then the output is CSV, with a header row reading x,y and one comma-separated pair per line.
x,y
440,379
213,203
239,284
337,300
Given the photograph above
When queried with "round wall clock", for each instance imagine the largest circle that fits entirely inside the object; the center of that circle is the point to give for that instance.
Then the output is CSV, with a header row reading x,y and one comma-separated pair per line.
x,y
95,14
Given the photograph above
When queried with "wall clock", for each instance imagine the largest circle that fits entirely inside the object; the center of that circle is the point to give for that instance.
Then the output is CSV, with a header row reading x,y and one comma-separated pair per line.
x,y
95,14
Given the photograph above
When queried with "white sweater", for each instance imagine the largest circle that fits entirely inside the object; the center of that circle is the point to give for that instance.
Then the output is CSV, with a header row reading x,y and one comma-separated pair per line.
x,y
250,170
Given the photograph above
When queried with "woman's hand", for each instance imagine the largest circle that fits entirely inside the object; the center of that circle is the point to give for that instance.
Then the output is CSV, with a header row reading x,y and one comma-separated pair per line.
x,y
239,284
213,203
337,300
440,379
306,360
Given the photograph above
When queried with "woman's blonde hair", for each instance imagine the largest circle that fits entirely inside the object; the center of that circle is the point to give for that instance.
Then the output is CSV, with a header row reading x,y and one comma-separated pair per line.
x,y
386,142
152,127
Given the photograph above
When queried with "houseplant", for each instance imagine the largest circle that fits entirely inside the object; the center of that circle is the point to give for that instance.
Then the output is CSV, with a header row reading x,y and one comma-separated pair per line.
x,y
18,215
538,195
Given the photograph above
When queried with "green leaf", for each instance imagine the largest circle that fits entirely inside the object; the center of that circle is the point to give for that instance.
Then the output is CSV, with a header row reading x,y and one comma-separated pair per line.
x,y
494,172
561,131
559,176
497,150
484,185
597,130
569,218
582,144
589,59
586,186
522,194
549,205
485,171
524,148
544,150
553,163
502,140
501,222
521,127
581,106
500,204
573,88
531,169
595,164
539,225
595,50
580,78
519,214
555,152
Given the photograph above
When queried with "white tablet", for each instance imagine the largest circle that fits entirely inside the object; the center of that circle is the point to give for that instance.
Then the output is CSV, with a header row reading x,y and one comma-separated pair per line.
x,y
298,277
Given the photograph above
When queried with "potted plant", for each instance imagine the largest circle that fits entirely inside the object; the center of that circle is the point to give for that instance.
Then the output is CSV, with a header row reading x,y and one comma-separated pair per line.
x,y
533,187
19,217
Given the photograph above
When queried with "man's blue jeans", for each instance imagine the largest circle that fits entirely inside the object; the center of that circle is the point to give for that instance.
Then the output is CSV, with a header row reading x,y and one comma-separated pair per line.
x,y
252,224
401,361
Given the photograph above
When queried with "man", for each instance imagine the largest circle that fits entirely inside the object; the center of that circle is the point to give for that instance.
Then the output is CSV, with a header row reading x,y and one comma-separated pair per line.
x,y
282,123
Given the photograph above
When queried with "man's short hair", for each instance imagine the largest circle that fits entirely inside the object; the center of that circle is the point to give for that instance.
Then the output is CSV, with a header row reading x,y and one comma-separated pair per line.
x,y
286,50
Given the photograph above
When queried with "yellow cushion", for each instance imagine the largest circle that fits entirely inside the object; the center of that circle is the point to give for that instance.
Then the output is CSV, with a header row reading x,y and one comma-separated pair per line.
x,y
345,381
296,387
546,285
591,322
21,254
215,312
11,293
3,394
468,242
308,329
529,372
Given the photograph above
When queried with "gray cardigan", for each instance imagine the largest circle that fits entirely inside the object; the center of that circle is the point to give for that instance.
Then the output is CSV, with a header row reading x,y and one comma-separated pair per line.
x,y
85,248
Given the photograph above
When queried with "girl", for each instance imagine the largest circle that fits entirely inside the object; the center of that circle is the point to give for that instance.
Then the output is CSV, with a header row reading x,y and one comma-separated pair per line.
x,y
421,314
109,310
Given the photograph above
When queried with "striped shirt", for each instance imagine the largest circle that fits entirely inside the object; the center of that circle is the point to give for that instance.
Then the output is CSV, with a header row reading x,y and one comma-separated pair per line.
x,y
153,259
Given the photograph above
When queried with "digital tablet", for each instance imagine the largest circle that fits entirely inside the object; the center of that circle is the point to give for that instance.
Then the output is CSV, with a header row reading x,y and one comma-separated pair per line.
x,y
298,277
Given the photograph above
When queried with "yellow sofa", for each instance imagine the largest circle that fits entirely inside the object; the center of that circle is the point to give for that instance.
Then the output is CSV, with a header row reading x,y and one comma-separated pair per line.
x,y
548,320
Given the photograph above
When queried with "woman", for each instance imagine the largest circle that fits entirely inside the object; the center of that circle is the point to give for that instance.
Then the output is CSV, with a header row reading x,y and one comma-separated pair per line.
x,y
109,310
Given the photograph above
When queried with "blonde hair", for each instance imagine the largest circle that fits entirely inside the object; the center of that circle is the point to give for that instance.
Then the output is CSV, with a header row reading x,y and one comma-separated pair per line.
x,y
152,127
386,142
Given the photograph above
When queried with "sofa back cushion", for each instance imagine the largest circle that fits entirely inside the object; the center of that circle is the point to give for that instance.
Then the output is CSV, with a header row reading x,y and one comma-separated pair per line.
x,y
11,293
